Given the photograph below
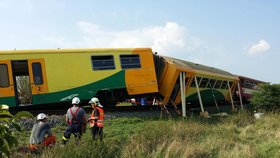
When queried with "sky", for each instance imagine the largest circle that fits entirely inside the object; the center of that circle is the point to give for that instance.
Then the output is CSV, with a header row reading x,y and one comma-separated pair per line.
x,y
238,36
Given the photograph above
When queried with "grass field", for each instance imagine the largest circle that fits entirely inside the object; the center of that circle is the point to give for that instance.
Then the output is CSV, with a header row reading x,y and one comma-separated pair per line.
x,y
238,135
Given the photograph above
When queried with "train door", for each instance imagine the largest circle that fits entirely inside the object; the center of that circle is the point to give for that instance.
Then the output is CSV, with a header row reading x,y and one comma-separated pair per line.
x,y
38,79
21,78
7,92
29,81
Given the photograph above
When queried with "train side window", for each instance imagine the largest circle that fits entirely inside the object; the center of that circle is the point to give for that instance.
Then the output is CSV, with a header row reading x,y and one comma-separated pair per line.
x,y
249,84
230,84
4,76
193,81
186,81
203,82
130,61
37,73
224,85
211,83
218,84
198,80
242,82
105,62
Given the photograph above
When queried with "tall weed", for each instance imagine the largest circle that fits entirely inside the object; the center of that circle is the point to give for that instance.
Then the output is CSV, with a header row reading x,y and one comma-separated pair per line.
x,y
239,135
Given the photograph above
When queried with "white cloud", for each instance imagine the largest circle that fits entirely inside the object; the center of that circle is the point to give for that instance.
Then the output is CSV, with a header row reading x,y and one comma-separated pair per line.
x,y
166,39
260,47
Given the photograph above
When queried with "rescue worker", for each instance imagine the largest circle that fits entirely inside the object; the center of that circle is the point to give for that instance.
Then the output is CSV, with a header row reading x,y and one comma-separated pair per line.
x,y
4,107
97,119
38,138
4,111
76,120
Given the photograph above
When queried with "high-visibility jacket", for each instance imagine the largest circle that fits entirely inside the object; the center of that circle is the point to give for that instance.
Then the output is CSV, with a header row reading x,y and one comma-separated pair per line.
x,y
100,119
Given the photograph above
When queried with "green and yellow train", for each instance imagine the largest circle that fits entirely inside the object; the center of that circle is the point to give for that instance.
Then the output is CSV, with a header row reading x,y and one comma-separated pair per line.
x,y
42,77
214,85
56,76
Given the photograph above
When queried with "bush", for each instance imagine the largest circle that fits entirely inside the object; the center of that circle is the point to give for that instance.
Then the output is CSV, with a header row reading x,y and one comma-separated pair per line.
x,y
267,99
7,130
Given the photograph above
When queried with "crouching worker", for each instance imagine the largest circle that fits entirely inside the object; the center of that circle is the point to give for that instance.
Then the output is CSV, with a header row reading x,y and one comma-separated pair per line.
x,y
97,119
76,120
41,135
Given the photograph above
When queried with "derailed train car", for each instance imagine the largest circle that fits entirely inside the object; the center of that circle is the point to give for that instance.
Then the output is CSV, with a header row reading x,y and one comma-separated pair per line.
x,y
247,86
203,84
41,77
36,77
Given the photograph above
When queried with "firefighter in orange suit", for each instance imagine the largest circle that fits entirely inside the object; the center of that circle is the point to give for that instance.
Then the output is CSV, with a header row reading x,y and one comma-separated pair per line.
x,y
97,119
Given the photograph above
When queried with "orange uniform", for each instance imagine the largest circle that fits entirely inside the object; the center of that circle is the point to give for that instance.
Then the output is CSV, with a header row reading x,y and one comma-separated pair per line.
x,y
97,118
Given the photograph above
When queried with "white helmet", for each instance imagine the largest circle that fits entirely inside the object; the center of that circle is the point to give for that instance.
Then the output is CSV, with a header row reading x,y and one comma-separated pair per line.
x,y
76,100
96,101
41,116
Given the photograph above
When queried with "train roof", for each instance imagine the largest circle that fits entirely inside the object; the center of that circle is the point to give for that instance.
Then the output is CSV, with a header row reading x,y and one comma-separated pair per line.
x,y
198,67
251,79
82,50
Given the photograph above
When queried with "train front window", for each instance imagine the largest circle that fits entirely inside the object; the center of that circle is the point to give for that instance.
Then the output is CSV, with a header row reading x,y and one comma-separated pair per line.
x,y
175,90
4,77
105,62
130,61
160,66
37,73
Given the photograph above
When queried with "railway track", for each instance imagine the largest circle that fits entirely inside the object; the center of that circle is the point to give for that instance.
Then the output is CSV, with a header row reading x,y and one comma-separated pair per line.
x,y
57,109
56,113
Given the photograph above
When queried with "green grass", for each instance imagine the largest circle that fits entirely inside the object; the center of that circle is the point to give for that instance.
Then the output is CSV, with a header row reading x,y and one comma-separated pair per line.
x,y
239,135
